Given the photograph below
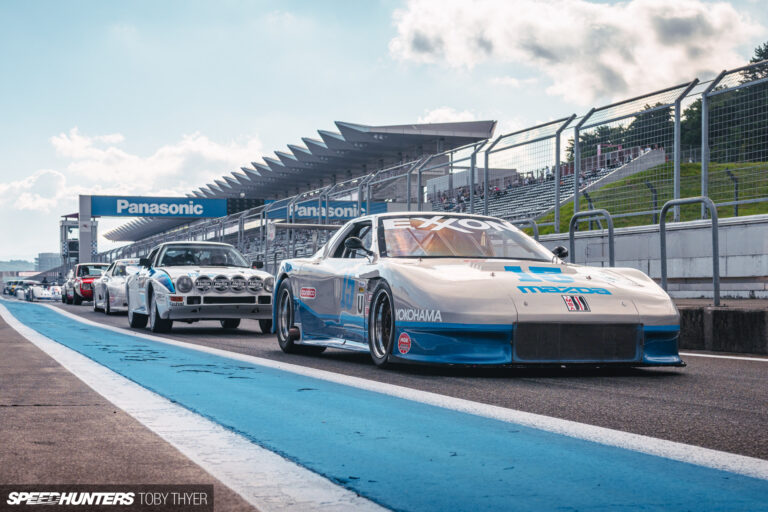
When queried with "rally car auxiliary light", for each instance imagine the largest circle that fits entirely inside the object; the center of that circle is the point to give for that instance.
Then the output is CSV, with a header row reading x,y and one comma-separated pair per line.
x,y
203,284
221,284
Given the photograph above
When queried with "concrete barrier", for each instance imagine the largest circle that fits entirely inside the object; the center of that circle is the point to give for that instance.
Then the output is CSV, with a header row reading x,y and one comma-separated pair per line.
x,y
724,329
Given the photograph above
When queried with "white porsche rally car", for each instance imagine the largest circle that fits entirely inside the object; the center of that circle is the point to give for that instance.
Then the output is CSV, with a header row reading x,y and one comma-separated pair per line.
x,y
109,289
191,281
468,289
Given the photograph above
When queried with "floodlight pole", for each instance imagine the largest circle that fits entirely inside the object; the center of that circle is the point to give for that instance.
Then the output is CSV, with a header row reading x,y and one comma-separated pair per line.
x,y
485,172
678,101
705,139
577,160
557,170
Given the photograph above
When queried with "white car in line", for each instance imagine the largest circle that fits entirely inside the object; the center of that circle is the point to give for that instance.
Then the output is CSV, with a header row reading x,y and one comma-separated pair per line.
x,y
109,290
191,281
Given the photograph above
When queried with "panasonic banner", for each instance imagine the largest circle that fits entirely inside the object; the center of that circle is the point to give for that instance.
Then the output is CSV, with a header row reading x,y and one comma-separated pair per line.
x,y
134,206
183,207
340,210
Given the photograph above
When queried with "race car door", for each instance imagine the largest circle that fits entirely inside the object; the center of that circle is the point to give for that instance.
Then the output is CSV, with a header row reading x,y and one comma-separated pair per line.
x,y
331,293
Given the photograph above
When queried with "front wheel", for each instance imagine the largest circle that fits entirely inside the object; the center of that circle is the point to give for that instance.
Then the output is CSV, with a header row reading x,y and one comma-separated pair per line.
x,y
76,299
286,334
381,326
107,309
135,320
265,326
157,324
95,302
230,323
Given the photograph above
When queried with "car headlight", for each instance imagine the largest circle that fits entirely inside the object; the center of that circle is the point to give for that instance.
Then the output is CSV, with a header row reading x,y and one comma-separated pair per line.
x,y
238,284
203,284
255,284
184,284
221,284
269,284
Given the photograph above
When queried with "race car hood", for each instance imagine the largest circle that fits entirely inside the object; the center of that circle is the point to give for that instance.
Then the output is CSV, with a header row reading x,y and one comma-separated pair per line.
x,y
194,271
534,291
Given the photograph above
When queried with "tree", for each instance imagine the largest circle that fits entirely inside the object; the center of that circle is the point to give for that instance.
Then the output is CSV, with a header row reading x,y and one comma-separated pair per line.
x,y
757,72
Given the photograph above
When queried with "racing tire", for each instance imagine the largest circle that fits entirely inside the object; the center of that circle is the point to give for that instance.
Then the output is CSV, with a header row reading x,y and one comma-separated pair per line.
x,y
95,308
285,316
157,324
230,323
381,326
265,326
107,310
135,320
76,299
64,297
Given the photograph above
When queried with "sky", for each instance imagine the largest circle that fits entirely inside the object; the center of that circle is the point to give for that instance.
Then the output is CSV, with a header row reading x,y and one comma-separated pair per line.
x,y
159,98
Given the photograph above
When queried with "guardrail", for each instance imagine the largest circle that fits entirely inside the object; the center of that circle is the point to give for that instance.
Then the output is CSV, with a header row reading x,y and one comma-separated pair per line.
x,y
590,214
710,205
529,223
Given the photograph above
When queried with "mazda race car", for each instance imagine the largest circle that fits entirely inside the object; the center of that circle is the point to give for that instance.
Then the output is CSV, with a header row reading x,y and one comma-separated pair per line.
x,y
79,284
109,289
190,281
468,289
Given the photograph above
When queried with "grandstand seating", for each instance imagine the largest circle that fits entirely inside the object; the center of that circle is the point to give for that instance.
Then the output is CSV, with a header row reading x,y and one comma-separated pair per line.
x,y
538,198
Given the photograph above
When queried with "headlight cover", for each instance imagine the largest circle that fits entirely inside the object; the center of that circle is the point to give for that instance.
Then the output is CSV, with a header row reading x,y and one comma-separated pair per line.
x,y
255,284
221,284
203,284
184,284
269,284
238,284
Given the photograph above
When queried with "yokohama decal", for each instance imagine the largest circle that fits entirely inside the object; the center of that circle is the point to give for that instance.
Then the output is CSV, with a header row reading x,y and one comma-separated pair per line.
x,y
404,343
307,293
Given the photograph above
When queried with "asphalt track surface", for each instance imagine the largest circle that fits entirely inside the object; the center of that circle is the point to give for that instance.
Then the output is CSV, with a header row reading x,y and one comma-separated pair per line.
x,y
714,403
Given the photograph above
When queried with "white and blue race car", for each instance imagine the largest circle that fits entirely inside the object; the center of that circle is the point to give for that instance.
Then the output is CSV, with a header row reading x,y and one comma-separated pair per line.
x,y
468,289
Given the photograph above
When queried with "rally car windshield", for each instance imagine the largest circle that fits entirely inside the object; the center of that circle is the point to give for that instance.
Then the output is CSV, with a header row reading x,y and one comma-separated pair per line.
x,y
444,236
202,255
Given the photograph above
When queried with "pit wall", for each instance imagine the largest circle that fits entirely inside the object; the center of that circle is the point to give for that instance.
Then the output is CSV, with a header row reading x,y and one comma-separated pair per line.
x,y
743,255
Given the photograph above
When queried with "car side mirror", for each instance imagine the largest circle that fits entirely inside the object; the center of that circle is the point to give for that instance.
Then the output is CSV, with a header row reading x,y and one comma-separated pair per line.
x,y
560,251
353,243
257,264
144,262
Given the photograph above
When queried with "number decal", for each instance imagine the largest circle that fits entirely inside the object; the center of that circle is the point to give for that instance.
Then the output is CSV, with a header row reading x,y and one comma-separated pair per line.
x,y
539,274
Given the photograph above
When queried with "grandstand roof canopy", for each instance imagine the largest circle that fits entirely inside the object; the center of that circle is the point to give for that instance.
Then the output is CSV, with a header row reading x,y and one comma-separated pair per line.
x,y
354,150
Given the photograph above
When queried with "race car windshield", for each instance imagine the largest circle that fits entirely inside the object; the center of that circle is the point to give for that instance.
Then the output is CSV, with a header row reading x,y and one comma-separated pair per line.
x,y
125,270
90,270
202,255
444,236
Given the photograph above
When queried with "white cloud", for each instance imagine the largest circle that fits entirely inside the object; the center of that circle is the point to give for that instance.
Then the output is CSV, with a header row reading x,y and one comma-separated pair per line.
x,y
510,81
446,115
588,50
171,170
95,164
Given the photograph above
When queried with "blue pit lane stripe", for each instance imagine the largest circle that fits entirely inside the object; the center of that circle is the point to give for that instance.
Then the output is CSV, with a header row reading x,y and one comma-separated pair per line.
x,y
402,454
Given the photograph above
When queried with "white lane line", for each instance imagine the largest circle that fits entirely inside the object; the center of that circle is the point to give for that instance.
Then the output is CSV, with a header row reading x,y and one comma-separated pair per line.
x,y
706,457
714,356
264,479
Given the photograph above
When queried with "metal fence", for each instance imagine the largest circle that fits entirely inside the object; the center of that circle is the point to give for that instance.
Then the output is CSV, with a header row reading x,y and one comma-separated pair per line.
x,y
629,158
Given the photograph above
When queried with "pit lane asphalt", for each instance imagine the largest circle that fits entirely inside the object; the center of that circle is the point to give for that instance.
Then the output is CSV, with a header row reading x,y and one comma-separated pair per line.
x,y
713,403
